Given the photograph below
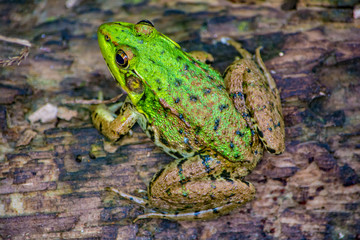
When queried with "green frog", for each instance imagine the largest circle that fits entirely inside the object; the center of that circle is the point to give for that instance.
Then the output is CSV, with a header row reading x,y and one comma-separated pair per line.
x,y
215,126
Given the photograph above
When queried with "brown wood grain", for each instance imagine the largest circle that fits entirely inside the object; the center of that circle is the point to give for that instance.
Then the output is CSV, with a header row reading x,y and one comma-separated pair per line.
x,y
53,175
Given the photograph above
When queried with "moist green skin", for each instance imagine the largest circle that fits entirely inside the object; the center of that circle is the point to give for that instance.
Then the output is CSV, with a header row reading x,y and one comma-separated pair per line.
x,y
195,110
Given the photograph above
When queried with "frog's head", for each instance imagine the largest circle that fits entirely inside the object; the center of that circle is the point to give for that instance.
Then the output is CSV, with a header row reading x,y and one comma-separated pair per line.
x,y
137,55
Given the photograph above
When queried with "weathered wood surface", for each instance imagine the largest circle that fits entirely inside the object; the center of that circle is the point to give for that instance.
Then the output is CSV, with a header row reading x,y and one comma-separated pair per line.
x,y
53,175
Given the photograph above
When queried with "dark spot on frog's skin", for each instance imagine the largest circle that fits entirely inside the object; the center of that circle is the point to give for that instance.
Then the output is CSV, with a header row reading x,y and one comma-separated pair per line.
x,y
158,81
185,194
151,133
216,126
212,178
159,88
252,132
207,90
179,166
278,124
215,211
176,213
197,130
186,67
220,87
146,70
230,196
156,176
162,52
270,150
177,100
184,181
178,58
186,140
231,144
163,140
100,127
248,70
151,60
176,154
247,183
210,77
226,175
239,133
168,192
270,129
223,106
177,82
181,116
236,156
244,96
140,41
245,115
240,95
256,152
181,131
193,98
261,134
205,162
189,149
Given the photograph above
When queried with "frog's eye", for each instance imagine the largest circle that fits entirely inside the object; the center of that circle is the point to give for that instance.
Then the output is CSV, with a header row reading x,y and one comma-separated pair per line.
x,y
121,59
146,22
107,38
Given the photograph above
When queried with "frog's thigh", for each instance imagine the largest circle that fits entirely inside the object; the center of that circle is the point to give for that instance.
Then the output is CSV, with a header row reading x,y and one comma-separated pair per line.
x,y
251,92
197,187
111,127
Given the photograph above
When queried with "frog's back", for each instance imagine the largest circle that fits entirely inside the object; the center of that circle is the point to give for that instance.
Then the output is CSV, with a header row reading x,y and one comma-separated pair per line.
x,y
199,111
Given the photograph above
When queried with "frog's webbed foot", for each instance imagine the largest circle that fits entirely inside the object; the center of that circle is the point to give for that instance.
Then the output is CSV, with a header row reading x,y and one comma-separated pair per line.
x,y
255,96
202,56
112,126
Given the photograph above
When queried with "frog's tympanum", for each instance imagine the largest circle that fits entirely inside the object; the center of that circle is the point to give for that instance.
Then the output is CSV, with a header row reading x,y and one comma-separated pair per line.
x,y
215,126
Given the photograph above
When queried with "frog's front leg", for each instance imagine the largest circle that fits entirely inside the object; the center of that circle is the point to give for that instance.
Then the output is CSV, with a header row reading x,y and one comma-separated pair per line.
x,y
111,126
256,97
199,187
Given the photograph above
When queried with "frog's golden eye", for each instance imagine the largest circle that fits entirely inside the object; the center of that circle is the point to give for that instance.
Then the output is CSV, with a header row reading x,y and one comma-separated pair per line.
x,y
107,38
121,59
146,22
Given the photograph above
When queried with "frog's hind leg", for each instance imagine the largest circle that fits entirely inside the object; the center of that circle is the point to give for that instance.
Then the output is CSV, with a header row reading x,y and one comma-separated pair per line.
x,y
256,97
200,187
203,186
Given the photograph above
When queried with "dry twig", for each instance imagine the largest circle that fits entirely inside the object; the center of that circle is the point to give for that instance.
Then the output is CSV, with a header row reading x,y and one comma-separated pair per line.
x,y
93,101
23,54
